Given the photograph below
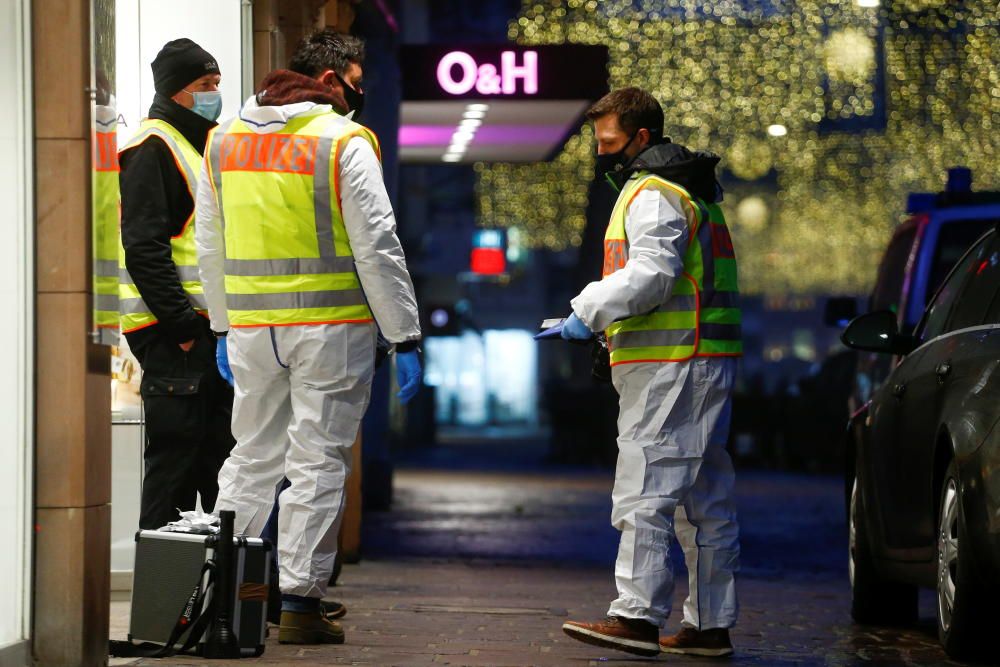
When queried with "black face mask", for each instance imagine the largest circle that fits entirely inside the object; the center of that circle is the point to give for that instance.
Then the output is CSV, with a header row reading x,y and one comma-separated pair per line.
x,y
610,165
355,99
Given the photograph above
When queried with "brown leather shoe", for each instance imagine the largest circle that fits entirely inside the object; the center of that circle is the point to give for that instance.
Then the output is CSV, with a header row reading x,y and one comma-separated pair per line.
x,y
624,634
309,627
712,643
332,610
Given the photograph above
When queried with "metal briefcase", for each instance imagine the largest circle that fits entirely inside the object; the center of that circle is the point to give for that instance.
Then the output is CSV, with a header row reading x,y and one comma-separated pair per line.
x,y
167,567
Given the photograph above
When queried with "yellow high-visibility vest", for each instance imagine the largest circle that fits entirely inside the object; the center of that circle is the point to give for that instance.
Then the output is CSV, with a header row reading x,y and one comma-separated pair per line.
x,y
288,259
104,197
702,316
135,314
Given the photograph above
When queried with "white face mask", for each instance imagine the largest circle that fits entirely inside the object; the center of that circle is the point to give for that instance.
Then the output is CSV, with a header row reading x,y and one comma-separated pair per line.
x,y
207,104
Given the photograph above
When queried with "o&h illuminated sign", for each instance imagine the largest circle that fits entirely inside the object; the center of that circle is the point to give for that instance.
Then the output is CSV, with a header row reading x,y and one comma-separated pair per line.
x,y
487,78
504,71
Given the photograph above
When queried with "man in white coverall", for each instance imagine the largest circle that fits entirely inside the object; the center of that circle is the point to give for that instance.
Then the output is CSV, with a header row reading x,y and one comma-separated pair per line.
x,y
668,305
299,257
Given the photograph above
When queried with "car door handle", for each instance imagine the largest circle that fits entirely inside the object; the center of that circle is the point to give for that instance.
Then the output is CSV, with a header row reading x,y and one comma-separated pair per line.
x,y
942,370
898,390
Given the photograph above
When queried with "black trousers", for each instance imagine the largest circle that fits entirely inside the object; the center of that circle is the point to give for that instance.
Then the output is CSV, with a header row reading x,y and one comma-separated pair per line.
x,y
189,409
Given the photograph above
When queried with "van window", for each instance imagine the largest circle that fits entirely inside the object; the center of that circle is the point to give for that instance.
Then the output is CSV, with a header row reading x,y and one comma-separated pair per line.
x,y
981,288
954,239
937,314
892,271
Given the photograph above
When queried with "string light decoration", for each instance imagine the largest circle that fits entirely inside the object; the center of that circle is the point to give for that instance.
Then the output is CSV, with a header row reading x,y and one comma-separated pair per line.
x,y
875,101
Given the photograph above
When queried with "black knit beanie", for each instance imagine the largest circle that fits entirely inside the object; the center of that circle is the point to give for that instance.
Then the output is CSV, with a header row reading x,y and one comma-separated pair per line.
x,y
178,64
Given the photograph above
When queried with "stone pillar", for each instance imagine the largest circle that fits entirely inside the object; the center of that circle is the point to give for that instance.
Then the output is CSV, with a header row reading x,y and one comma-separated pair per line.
x,y
298,18
278,25
73,388
381,72
268,40
349,542
337,14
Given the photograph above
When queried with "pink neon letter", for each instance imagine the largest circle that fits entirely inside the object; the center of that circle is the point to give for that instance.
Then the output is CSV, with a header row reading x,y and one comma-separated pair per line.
x,y
469,73
511,72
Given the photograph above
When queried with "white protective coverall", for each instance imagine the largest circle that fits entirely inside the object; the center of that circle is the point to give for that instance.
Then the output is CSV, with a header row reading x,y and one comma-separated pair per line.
x,y
301,391
673,424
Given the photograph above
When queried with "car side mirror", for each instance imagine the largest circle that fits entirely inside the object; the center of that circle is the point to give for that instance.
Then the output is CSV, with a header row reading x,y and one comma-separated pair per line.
x,y
877,332
840,310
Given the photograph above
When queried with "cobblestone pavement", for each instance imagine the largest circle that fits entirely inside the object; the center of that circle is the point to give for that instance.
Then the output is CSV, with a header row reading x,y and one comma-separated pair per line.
x,y
480,569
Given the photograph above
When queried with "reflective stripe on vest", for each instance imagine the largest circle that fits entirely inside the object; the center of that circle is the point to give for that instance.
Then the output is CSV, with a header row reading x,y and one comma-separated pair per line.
x,y
702,316
104,191
135,314
288,258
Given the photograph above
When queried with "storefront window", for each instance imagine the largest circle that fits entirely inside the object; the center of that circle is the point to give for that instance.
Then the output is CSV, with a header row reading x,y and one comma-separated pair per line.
x,y
16,272
484,379
129,34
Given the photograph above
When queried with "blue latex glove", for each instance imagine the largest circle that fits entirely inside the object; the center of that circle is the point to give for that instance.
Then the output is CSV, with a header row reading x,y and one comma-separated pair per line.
x,y
575,329
408,374
222,360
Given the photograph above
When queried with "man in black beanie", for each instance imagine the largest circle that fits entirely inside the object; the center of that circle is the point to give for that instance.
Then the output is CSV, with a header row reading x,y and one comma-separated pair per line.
x,y
188,405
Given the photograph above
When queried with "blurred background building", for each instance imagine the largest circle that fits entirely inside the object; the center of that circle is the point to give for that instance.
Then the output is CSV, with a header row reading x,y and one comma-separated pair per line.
x,y
826,115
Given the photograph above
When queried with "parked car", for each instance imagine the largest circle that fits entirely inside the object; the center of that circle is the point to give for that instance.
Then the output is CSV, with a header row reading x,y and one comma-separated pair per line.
x,y
938,230
923,481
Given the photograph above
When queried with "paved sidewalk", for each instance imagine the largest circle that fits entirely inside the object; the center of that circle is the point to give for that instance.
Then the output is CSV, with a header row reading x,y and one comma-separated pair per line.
x,y
478,613
526,552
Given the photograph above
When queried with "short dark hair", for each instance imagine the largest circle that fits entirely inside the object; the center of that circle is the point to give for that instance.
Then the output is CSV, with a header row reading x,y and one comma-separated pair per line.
x,y
635,108
327,49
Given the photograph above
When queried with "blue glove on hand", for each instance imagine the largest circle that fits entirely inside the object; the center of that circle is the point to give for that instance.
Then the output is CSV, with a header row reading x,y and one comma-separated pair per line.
x,y
222,360
408,374
575,329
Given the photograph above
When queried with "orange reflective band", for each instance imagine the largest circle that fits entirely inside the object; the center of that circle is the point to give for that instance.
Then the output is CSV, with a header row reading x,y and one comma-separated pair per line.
x,y
615,256
106,152
269,152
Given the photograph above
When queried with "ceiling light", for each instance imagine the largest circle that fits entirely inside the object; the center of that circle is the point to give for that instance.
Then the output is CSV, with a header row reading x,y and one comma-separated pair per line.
x,y
478,107
470,123
451,157
463,136
457,148
474,114
777,130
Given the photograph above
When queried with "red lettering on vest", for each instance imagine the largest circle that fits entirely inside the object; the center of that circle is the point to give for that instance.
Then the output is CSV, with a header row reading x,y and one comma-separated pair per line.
x,y
268,152
615,256
722,242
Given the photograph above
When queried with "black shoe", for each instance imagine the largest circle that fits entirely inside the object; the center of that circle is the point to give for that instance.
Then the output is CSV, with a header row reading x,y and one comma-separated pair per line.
x,y
332,609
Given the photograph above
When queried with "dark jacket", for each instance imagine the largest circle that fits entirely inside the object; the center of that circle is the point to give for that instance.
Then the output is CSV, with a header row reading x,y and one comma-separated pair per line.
x,y
155,204
692,170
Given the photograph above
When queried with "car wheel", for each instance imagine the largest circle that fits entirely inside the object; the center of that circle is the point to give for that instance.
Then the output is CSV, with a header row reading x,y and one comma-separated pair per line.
x,y
874,599
965,619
